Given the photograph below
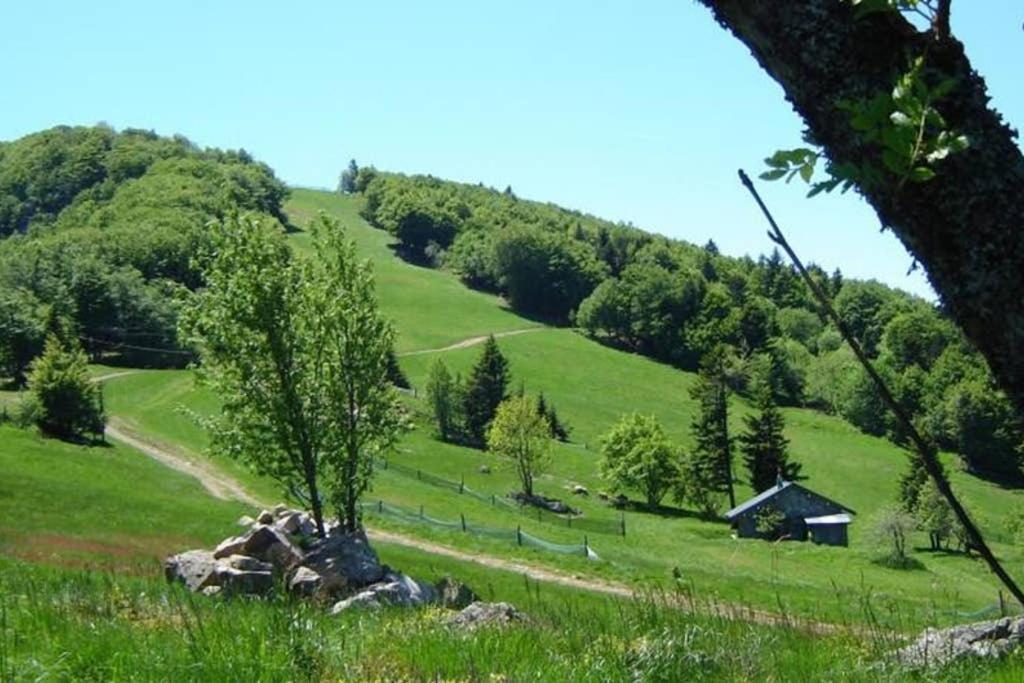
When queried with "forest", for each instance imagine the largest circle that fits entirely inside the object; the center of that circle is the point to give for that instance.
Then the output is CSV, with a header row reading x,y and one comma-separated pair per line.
x,y
675,302
99,231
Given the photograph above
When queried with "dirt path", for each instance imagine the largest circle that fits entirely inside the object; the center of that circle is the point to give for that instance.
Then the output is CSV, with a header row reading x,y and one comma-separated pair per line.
x,y
217,483
472,341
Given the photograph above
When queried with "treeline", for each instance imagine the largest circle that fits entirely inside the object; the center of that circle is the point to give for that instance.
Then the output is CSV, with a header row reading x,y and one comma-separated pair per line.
x,y
676,302
98,233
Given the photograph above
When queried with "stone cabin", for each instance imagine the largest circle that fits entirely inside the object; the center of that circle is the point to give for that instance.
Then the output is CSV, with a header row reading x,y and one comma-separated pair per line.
x,y
806,514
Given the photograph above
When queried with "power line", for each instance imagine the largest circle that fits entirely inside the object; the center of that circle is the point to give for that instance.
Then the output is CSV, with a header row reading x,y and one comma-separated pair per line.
x,y
120,345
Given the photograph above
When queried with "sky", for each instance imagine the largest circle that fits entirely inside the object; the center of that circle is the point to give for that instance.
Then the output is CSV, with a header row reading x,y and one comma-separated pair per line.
x,y
633,111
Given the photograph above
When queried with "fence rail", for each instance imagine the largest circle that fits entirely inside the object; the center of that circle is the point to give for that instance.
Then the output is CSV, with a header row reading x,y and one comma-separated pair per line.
x,y
597,526
517,535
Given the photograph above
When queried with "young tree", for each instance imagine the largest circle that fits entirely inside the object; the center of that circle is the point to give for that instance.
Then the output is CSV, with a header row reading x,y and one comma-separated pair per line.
x,y
559,430
22,333
441,397
764,446
638,455
934,516
891,533
347,182
486,388
710,463
521,436
64,401
298,354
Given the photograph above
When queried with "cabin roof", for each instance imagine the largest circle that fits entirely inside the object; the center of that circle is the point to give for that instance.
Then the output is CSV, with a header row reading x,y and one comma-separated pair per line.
x,y
767,494
841,518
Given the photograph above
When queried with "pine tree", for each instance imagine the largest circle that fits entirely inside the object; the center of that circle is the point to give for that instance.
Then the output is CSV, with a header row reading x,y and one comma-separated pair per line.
x,y
395,374
912,483
441,396
558,430
66,403
764,446
711,460
486,388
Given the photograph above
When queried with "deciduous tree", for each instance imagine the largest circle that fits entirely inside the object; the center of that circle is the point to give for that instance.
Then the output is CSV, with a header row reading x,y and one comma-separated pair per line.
x,y
298,354
521,436
637,455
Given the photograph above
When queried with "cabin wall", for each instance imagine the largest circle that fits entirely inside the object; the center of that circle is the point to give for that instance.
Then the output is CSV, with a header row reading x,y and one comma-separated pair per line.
x,y
829,534
796,504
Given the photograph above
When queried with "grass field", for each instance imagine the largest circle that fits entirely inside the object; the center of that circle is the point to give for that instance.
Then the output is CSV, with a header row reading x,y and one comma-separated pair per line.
x,y
592,385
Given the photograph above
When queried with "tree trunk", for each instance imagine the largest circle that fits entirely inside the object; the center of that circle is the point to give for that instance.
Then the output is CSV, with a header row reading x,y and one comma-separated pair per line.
x,y
964,226
314,499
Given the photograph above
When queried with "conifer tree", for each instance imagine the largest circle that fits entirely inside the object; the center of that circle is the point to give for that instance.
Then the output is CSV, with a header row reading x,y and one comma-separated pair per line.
x,y
711,459
66,403
486,388
441,396
764,446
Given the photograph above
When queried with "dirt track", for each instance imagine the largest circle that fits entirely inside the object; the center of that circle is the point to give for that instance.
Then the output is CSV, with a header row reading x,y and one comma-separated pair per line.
x,y
472,341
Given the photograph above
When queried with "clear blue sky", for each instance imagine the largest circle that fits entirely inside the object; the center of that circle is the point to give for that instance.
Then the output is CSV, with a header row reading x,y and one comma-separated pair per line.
x,y
634,111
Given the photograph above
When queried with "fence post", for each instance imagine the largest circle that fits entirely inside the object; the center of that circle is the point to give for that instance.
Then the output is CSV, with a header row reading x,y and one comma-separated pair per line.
x,y
568,522
462,483
586,546
419,475
492,500
519,534
421,512
538,514
622,522
463,521
1002,605
380,506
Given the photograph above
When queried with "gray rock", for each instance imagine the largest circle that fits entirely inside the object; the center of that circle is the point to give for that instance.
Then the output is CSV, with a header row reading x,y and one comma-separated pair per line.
x,y
397,589
454,594
241,582
280,510
289,523
264,543
304,581
344,562
245,520
265,517
247,564
194,568
484,469
580,490
211,591
481,614
938,647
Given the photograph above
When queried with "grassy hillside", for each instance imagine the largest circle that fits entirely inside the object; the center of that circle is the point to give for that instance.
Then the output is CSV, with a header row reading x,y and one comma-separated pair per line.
x,y
591,385
419,300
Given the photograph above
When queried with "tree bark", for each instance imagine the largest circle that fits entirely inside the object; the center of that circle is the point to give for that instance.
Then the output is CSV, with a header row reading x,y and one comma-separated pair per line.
x,y
965,225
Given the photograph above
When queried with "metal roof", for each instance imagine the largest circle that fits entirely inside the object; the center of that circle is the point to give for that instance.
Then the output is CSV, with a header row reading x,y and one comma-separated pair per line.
x,y
841,518
758,499
782,485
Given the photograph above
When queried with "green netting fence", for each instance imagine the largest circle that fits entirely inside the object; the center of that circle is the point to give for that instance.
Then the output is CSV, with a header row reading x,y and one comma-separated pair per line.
x,y
517,535
598,526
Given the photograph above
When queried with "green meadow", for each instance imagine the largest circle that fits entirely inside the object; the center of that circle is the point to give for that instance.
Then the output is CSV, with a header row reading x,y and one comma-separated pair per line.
x,y
592,385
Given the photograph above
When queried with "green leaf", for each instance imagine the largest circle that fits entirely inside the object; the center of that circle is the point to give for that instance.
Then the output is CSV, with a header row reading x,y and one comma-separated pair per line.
x,y
921,174
900,119
806,171
774,174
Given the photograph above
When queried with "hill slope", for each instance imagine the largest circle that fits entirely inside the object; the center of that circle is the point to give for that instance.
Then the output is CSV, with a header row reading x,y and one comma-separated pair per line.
x,y
591,385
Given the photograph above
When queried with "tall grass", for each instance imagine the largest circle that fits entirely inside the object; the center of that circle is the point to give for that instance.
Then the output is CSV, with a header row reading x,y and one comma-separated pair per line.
x,y
79,625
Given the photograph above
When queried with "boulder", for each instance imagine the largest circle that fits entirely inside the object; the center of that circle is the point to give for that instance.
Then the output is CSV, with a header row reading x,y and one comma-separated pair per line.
x,y
454,594
396,589
344,562
245,520
265,517
264,543
241,582
580,490
481,614
295,522
304,582
484,469
210,591
194,568
280,510
938,647
247,564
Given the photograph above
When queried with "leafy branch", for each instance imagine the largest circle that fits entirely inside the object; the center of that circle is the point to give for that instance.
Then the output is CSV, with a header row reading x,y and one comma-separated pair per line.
x,y
910,133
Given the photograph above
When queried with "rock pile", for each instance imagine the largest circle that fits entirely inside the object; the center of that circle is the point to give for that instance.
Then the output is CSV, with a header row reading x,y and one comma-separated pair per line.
x,y
937,647
280,548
